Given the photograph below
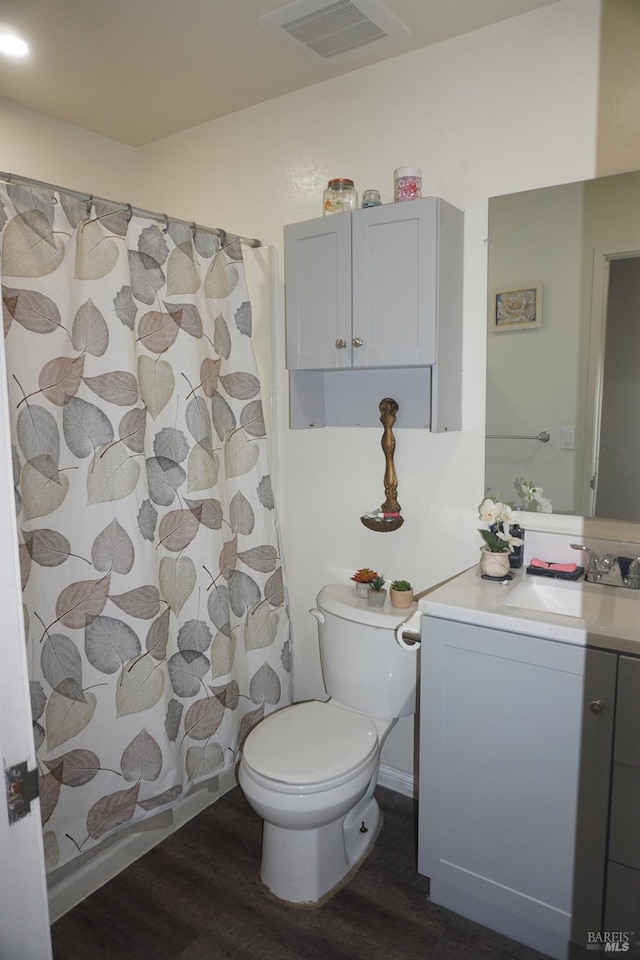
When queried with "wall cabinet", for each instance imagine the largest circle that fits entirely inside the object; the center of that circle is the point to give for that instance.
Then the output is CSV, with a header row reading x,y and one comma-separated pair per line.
x,y
374,307
515,757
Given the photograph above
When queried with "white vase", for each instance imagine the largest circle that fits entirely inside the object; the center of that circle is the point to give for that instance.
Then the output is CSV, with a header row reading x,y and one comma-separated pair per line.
x,y
362,589
494,564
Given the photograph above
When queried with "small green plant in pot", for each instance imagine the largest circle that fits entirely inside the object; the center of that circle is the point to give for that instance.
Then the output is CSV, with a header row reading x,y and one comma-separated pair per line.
x,y
377,592
401,593
362,578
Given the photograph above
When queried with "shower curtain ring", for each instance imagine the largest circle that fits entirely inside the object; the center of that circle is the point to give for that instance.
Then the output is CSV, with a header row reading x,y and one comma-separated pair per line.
x,y
194,227
89,204
129,212
165,228
222,234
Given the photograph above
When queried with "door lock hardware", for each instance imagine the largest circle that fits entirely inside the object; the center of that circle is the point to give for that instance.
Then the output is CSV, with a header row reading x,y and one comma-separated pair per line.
x,y
21,788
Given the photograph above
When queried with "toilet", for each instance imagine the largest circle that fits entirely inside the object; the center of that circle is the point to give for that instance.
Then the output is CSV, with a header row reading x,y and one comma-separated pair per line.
x,y
310,769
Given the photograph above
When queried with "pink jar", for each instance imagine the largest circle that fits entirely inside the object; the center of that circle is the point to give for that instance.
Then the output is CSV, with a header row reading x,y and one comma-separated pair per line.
x,y
407,184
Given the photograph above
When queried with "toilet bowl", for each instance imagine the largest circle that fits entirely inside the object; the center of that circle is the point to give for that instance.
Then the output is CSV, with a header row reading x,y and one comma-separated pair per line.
x,y
302,773
310,769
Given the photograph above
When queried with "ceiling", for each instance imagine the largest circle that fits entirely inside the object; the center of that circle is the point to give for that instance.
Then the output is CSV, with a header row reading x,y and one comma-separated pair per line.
x,y
139,70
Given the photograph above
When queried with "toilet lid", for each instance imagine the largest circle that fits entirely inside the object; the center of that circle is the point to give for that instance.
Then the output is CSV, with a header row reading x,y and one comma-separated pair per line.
x,y
310,742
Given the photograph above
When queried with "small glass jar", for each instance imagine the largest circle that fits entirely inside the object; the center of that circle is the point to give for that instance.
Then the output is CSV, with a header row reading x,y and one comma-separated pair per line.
x,y
340,196
407,184
371,198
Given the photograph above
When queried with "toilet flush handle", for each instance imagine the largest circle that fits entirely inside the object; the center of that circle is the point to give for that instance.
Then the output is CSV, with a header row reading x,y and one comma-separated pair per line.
x,y
318,614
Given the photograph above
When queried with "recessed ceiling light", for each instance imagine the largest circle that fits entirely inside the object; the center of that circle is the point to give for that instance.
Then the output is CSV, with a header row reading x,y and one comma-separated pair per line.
x,y
13,45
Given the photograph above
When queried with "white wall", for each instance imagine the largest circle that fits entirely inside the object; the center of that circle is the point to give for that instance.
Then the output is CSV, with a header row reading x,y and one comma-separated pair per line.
x,y
619,88
34,145
507,108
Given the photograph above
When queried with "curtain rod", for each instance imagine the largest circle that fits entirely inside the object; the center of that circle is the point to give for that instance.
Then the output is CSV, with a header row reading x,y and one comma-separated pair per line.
x,y
544,436
147,214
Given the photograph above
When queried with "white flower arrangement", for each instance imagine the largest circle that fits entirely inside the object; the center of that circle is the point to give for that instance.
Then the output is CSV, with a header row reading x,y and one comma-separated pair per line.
x,y
532,498
499,517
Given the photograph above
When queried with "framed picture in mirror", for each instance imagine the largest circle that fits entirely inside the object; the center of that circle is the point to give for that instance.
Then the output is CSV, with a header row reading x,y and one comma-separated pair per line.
x,y
515,308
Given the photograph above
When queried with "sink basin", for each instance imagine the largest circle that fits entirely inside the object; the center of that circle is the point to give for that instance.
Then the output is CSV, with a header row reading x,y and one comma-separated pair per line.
x,y
598,606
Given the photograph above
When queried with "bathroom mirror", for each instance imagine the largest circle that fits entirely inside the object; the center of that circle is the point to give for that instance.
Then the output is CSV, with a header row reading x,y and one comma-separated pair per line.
x,y
563,355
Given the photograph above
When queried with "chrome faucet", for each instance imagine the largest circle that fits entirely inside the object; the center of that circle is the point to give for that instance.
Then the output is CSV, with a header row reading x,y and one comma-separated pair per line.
x,y
606,570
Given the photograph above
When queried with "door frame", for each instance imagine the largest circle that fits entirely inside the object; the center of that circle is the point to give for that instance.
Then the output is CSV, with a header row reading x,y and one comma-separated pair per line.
x,y
24,911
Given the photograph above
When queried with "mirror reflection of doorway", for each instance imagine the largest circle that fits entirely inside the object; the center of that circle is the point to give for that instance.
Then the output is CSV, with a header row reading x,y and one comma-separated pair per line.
x,y
619,441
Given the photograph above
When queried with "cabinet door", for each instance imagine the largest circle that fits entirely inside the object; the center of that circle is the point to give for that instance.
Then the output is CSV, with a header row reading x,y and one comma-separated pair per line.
x,y
622,913
395,284
318,293
624,838
513,765
623,877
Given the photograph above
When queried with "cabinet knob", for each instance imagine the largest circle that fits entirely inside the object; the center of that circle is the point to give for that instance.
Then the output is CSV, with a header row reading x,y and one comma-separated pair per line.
x,y
597,707
357,342
341,344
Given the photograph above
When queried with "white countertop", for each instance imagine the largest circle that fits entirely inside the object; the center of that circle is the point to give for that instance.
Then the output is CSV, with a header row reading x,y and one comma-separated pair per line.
x,y
468,598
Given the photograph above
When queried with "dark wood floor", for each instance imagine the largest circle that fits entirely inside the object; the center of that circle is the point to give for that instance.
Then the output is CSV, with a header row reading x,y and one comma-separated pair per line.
x,y
195,897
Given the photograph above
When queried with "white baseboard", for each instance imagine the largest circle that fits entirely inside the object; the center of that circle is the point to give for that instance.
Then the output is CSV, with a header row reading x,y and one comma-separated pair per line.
x,y
397,780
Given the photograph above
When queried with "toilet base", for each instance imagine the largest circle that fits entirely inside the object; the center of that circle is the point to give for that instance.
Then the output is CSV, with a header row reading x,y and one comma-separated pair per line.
x,y
303,869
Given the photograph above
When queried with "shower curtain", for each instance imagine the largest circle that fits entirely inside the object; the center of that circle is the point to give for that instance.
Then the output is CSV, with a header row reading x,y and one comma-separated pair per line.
x,y
155,617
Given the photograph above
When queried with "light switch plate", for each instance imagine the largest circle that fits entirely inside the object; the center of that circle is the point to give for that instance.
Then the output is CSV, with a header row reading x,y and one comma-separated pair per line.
x,y
567,438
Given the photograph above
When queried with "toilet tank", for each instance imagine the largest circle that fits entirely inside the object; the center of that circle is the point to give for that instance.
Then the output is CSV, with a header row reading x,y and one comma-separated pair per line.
x,y
362,664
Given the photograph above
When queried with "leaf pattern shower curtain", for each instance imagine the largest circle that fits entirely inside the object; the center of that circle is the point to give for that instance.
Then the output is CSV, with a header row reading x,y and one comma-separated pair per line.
x,y
156,625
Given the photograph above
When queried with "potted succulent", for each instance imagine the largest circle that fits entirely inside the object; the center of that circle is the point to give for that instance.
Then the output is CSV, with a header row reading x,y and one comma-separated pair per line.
x,y
377,592
401,593
362,578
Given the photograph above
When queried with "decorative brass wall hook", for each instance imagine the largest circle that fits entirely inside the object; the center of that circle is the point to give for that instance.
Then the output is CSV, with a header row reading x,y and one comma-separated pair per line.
x,y
382,523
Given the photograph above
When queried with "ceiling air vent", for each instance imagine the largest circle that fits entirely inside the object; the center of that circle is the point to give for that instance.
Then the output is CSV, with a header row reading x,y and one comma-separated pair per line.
x,y
334,31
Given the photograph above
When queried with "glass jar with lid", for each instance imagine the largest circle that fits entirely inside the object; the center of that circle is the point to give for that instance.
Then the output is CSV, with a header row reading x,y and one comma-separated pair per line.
x,y
407,184
371,198
340,196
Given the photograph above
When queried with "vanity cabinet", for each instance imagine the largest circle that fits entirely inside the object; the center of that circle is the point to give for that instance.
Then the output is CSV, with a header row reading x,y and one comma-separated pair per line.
x,y
515,754
374,308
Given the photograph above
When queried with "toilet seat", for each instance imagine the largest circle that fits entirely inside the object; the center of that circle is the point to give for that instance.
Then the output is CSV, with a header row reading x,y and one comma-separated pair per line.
x,y
310,743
